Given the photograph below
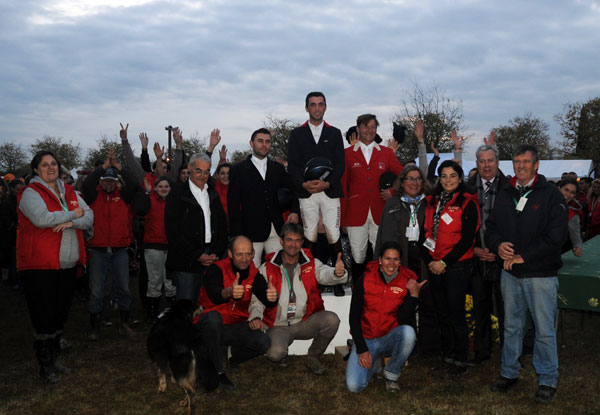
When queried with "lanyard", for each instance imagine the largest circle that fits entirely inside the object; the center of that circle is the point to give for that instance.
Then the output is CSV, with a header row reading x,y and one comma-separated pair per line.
x,y
524,196
412,212
287,277
63,204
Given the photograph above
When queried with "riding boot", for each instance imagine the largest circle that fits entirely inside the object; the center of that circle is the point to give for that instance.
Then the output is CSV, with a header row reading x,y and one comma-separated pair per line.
x,y
45,358
58,367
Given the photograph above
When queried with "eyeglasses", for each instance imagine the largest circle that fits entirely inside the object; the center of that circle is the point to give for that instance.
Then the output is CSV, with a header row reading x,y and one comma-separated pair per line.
x,y
414,179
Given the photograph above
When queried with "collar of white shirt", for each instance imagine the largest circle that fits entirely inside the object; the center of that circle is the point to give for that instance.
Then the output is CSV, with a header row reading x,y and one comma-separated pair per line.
x,y
261,165
316,131
198,193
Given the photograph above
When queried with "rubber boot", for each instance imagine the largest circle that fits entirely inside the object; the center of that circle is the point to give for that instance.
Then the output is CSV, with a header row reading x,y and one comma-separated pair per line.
x,y
95,320
124,327
45,358
58,367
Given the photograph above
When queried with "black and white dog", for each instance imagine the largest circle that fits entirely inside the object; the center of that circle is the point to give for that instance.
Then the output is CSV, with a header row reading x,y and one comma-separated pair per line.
x,y
176,350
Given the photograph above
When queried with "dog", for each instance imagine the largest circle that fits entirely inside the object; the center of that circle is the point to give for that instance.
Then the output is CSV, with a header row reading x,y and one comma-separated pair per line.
x,y
176,351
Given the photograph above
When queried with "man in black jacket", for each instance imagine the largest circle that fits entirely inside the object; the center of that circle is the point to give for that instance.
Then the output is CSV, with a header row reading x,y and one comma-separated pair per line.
x,y
253,206
527,229
485,282
316,138
196,228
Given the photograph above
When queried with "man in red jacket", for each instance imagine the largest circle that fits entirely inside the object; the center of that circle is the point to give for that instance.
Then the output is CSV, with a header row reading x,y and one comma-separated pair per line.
x,y
112,236
363,200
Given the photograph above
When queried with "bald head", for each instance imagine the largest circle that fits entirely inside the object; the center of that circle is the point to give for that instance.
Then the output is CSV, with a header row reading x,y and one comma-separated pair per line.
x,y
241,252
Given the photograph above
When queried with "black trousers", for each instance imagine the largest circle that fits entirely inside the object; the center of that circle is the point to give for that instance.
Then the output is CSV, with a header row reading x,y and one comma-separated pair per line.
x,y
485,288
49,294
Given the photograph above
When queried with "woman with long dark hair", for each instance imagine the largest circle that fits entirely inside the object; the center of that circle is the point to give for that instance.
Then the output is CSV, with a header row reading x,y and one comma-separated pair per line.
x,y
52,218
451,221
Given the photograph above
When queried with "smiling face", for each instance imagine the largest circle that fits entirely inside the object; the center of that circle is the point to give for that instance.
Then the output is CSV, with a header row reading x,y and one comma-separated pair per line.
x,y
162,188
525,168
412,183
569,191
200,172
390,262
47,170
291,244
316,109
367,132
487,164
449,179
184,174
223,175
261,145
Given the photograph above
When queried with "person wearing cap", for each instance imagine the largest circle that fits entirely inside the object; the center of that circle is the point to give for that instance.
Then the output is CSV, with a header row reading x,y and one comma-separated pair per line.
x,y
254,209
111,204
363,201
318,196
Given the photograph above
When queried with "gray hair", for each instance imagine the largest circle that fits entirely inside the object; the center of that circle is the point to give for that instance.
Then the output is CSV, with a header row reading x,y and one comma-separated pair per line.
x,y
199,156
485,147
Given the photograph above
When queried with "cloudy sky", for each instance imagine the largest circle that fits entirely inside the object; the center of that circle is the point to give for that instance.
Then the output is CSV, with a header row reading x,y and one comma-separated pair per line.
x,y
77,68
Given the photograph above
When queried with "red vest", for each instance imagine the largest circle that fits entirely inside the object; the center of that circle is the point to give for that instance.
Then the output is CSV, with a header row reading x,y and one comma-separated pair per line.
x,y
222,190
309,280
154,224
233,311
39,248
448,234
112,221
382,301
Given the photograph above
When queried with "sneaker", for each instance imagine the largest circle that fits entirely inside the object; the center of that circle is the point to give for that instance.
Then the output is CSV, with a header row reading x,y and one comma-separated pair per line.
x,y
224,381
544,394
392,386
503,384
314,365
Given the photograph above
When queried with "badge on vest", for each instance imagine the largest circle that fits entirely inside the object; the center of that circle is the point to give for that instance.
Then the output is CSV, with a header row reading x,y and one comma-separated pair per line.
x,y
429,244
412,233
521,204
447,218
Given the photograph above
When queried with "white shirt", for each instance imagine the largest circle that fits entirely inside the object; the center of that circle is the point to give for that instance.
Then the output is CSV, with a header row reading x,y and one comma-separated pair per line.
x,y
316,131
261,165
201,196
367,150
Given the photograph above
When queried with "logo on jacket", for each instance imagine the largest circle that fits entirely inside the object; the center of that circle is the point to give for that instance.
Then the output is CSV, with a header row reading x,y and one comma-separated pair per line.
x,y
74,203
382,166
452,208
247,287
396,290
535,206
356,164
307,269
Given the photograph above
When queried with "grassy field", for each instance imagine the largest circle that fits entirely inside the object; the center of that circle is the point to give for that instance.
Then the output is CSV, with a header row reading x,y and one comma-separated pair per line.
x,y
115,376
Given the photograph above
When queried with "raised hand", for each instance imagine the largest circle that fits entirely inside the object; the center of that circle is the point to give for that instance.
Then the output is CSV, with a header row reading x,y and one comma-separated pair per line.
x,y
340,270
223,154
491,141
393,144
237,290
177,137
353,138
123,132
458,141
271,291
113,160
215,138
434,150
158,151
147,184
144,140
419,130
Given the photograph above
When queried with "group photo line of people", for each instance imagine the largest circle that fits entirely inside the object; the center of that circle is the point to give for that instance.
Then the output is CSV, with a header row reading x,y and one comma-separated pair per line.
x,y
255,244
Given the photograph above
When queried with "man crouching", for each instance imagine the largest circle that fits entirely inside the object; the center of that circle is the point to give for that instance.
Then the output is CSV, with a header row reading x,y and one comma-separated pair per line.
x,y
300,313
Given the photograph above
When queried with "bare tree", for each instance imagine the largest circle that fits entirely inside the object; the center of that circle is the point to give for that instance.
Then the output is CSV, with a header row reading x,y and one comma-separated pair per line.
x,y
12,156
580,128
280,132
68,154
439,114
100,153
524,130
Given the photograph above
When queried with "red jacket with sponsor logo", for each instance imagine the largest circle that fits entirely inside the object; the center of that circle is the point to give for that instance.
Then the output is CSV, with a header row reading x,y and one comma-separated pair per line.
x,y
39,248
448,233
154,230
360,183
112,220
309,280
382,301
233,311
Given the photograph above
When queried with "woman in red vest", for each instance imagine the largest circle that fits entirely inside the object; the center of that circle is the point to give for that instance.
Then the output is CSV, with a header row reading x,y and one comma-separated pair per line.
x,y
451,221
382,309
52,218
156,246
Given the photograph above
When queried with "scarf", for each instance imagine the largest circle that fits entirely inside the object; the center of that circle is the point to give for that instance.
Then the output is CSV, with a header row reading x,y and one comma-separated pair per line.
x,y
444,198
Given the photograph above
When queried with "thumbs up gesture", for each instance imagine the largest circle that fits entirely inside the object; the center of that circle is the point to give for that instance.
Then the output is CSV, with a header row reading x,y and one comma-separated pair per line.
x,y
271,291
414,287
237,290
340,270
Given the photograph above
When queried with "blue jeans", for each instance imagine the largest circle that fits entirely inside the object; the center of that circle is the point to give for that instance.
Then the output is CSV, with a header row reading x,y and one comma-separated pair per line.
x,y
538,295
449,292
188,285
100,260
398,343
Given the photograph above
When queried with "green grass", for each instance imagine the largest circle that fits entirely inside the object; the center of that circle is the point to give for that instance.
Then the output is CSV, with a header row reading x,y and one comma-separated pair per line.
x,y
115,376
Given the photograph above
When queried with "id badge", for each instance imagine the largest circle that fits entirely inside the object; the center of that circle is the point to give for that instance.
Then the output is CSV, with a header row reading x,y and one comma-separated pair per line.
x,y
291,309
521,204
429,244
447,218
412,233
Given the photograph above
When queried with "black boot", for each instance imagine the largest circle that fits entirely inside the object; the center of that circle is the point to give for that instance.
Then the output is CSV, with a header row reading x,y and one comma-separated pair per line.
x,y
95,320
58,367
45,358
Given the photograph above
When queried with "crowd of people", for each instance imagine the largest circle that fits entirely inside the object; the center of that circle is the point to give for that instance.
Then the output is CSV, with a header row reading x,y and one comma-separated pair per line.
x,y
255,243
